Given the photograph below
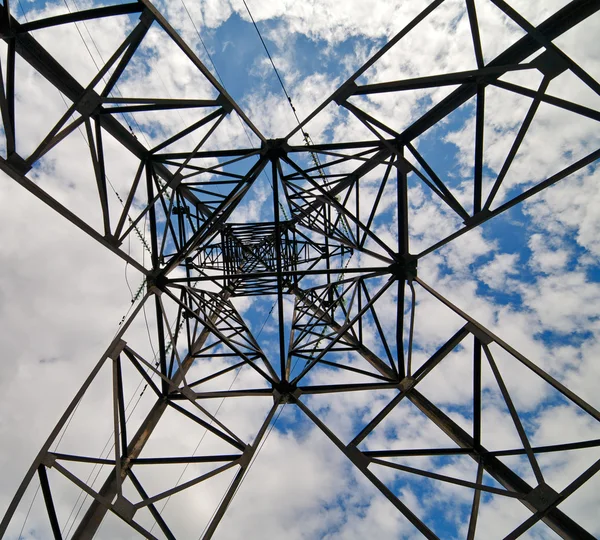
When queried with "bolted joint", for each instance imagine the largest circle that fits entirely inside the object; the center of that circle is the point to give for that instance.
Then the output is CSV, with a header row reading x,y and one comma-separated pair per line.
x,y
116,349
550,64
181,210
345,91
403,165
357,457
88,103
225,103
274,148
285,392
247,454
48,460
18,164
405,270
541,497
124,508
188,314
484,338
158,282
146,18
406,384
175,181
188,393
478,218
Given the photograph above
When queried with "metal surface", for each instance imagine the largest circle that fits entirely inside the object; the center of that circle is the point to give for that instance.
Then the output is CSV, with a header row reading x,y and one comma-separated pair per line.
x,y
201,258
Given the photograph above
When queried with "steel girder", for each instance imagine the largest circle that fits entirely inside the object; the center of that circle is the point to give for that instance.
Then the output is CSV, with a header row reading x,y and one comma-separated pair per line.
x,y
200,259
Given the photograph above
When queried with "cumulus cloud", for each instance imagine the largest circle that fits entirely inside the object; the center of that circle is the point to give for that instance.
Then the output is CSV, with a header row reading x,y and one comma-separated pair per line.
x,y
533,282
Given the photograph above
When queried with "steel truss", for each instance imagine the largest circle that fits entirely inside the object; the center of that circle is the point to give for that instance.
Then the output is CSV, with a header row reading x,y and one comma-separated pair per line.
x,y
201,258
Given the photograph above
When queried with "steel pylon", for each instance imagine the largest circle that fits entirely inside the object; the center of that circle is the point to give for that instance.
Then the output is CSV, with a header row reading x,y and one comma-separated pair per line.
x,y
320,250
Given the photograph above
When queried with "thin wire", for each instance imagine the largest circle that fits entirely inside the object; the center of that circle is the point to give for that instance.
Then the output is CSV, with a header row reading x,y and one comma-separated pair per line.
x,y
307,139
88,143
81,36
203,44
72,415
118,91
245,474
105,452
197,446
210,58
257,452
144,304
98,68
110,438
126,265
30,507
22,11
133,297
139,234
212,420
272,63
265,321
306,136
148,330
64,431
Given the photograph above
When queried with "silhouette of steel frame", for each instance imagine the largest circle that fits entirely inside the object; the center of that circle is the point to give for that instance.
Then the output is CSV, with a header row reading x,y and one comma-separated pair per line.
x,y
199,237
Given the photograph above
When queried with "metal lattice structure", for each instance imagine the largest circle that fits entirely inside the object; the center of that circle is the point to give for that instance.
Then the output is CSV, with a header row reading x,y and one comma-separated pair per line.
x,y
312,251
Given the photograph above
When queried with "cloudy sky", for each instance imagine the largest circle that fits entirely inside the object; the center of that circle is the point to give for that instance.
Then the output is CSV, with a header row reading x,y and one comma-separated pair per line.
x,y
530,274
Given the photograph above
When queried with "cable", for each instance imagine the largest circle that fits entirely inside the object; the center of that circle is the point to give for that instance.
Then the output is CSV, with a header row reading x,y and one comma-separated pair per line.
x,y
98,68
98,468
212,420
144,243
104,453
72,415
272,63
210,58
134,297
197,446
306,136
142,239
203,44
30,507
265,321
245,474
307,139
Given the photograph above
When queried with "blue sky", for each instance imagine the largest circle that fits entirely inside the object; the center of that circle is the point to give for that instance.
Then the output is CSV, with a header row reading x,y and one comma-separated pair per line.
x,y
530,275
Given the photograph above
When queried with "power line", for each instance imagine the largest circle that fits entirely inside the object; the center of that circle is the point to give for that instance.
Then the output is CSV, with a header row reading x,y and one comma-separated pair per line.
x,y
273,64
307,140
210,58
116,87
212,421
133,300
65,429
245,474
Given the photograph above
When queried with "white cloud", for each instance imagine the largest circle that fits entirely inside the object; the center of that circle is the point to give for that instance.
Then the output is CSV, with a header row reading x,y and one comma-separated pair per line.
x,y
298,471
